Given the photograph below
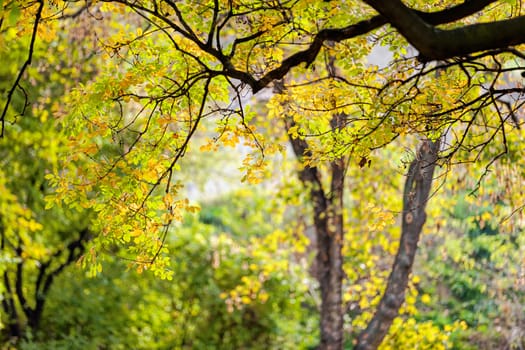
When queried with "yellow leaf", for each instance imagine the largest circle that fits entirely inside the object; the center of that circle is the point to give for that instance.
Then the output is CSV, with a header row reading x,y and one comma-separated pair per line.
x,y
135,233
263,297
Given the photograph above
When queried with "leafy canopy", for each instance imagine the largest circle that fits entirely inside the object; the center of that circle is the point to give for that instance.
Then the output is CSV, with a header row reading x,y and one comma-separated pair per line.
x,y
165,67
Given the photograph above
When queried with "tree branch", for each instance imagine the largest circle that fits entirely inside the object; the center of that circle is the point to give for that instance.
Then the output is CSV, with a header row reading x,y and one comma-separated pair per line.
x,y
26,64
20,278
308,56
44,281
415,197
437,44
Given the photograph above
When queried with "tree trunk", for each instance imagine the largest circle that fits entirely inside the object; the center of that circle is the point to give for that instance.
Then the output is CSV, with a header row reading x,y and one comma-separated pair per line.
x,y
328,223
415,196
8,305
330,263
330,245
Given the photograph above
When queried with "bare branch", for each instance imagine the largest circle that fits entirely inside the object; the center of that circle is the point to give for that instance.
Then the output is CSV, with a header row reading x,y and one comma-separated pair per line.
x,y
26,64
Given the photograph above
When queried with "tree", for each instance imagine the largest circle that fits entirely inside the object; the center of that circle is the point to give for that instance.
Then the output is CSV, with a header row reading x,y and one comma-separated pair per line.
x,y
36,245
175,69
469,257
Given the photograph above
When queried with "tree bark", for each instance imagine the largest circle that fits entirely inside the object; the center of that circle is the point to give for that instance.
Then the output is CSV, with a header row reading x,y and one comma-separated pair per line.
x,y
332,277
416,193
328,223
